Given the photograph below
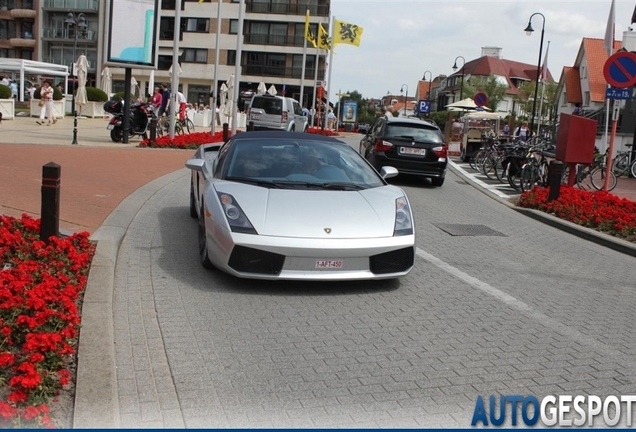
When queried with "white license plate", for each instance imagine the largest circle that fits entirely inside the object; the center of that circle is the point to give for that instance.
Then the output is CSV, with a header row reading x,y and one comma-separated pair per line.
x,y
254,116
413,151
329,264
110,127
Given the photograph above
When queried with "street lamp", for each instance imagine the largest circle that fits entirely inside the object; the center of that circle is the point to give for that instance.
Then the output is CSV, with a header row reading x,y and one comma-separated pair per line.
x,y
80,26
406,97
430,84
529,31
461,87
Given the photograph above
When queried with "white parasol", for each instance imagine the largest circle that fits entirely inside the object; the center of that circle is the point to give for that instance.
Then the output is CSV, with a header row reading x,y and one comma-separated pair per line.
x,y
464,105
133,85
82,72
179,66
272,90
228,96
107,81
261,88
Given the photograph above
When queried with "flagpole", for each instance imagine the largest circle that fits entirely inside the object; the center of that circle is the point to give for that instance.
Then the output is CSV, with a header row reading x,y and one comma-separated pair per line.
x,y
608,43
302,73
237,66
544,76
215,91
333,18
174,99
313,118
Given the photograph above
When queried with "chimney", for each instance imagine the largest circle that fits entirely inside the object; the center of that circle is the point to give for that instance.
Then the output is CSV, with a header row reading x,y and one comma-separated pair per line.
x,y
491,51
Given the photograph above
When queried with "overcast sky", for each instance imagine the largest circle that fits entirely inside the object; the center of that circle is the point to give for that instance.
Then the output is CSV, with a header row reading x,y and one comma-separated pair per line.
x,y
402,39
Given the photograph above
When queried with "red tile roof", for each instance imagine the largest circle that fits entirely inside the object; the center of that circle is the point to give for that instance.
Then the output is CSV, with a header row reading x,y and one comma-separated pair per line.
x,y
423,89
596,58
572,84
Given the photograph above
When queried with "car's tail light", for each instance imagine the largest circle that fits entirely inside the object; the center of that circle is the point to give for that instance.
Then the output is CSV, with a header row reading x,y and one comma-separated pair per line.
x,y
382,146
284,117
441,152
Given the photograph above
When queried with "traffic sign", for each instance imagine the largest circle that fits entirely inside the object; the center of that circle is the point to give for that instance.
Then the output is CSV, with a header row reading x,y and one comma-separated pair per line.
x,y
423,106
617,93
620,69
480,99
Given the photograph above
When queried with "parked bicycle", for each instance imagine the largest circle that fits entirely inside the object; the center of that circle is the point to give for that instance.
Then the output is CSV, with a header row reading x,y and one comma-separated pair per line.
x,y
620,164
592,177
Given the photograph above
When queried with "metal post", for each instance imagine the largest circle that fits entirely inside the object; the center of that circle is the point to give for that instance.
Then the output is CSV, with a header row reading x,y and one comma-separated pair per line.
x,y
529,31
73,109
226,132
555,172
50,204
250,126
153,130
126,107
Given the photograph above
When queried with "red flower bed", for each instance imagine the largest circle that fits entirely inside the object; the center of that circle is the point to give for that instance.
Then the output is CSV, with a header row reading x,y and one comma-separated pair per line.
x,y
319,131
40,286
601,211
190,141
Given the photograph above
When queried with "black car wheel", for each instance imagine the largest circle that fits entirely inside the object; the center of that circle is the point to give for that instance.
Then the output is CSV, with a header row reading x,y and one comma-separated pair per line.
x,y
193,208
116,134
437,181
203,242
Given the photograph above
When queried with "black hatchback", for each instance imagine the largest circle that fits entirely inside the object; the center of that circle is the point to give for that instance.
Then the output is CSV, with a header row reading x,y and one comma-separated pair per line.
x,y
411,145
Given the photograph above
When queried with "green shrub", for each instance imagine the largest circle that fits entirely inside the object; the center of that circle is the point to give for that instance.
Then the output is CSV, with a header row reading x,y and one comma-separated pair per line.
x,y
57,95
96,95
5,92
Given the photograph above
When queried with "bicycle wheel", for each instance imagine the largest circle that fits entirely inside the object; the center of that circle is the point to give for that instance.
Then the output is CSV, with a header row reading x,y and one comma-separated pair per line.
x,y
620,164
584,179
597,177
514,180
529,177
633,168
189,125
474,159
500,170
489,167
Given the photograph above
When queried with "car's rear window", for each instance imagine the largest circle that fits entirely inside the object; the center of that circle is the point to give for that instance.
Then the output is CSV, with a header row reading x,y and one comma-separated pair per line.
x,y
414,132
270,106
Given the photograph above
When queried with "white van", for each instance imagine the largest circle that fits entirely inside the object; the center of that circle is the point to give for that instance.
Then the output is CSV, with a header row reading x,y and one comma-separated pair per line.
x,y
276,112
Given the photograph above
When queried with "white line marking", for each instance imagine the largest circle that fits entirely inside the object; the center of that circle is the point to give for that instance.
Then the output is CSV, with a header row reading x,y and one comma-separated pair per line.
x,y
521,306
474,178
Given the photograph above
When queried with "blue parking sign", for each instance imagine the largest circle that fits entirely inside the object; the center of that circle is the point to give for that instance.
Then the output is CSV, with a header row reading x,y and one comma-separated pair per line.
x,y
423,106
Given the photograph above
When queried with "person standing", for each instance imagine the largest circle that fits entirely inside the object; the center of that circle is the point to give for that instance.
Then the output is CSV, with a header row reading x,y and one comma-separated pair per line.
x,y
31,92
183,103
523,132
389,112
331,120
155,101
46,93
14,90
165,98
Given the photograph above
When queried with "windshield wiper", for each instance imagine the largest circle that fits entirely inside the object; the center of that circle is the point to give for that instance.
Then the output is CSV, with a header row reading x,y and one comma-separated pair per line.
x,y
254,181
343,186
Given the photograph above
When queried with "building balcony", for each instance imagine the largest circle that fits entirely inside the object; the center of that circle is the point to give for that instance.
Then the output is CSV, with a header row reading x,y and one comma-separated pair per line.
x,y
22,43
68,35
263,71
74,5
279,40
69,63
273,7
23,13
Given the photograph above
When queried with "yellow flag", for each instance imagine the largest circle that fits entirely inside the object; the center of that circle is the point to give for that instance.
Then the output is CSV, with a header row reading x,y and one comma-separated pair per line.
x,y
345,33
324,41
308,34
200,1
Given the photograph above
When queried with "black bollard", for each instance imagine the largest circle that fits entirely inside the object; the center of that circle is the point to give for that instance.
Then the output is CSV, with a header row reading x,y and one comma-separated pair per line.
x,y
153,130
555,172
226,132
250,126
50,204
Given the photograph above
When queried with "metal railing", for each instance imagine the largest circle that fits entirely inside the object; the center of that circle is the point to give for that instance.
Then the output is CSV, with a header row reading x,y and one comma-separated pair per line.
x,y
281,71
62,33
69,62
75,5
286,8
268,39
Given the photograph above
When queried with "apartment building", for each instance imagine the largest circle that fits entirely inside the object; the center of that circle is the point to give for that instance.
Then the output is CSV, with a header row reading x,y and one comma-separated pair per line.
x,y
272,47
18,27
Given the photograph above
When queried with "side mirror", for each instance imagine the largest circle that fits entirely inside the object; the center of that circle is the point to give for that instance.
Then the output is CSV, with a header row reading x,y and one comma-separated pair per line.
x,y
388,171
195,164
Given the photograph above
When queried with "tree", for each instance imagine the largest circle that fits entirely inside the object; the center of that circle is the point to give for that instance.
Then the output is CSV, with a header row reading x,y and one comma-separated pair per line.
x,y
495,90
526,97
366,113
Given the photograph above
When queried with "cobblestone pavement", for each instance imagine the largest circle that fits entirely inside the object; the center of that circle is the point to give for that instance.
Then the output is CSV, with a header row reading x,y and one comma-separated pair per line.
x,y
531,311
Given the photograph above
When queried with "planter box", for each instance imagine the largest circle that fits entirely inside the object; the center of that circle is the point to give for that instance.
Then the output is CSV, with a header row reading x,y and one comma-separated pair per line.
x,y
200,118
92,109
58,108
7,108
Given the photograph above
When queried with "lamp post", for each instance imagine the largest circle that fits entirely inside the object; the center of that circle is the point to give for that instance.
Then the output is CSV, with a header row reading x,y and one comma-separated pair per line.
x,y
529,31
430,83
461,86
80,25
406,97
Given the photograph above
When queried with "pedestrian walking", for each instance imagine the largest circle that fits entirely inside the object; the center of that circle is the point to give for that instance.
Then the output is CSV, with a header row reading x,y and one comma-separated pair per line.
x,y
165,98
331,120
46,93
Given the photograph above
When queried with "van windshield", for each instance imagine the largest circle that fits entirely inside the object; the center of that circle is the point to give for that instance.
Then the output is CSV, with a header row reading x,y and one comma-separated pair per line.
x,y
270,106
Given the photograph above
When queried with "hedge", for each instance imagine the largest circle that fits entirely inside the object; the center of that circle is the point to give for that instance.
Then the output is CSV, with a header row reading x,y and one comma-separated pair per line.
x,y
5,92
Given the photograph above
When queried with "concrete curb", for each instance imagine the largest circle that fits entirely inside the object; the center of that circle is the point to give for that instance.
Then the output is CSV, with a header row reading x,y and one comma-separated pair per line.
x,y
96,395
614,243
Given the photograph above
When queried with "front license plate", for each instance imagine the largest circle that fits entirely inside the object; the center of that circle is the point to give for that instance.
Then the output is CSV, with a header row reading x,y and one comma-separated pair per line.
x,y
110,127
329,264
255,116
413,151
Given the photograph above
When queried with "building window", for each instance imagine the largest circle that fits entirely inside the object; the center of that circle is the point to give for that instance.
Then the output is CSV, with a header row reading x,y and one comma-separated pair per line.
x,y
27,54
7,29
233,26
583,72
170,4
586,101
7,53
166,28
194,55
199,94
164,62
197,25
564,102
231,57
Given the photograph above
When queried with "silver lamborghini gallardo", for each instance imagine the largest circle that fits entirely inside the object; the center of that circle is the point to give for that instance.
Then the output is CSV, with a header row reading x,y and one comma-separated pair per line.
x,y
280,205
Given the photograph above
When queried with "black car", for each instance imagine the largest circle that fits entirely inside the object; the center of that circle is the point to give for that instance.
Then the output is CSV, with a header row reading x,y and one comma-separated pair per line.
x,y
411,145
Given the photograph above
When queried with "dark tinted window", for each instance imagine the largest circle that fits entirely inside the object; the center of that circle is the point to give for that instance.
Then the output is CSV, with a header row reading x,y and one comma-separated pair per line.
x,y
415,132
270,106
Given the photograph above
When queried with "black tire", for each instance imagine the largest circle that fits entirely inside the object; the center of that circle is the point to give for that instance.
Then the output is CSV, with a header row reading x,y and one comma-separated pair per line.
x,y
203,243
597,176
437,181
193,208
293,128
462,155
620,165
632,169
189,126
489,167
117,134
529,178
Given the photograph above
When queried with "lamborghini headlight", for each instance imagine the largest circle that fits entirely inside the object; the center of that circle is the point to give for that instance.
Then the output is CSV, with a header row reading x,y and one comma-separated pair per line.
x,y
235,215
403,222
